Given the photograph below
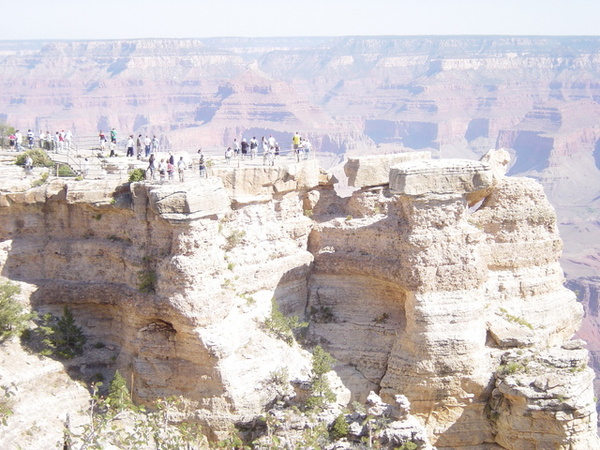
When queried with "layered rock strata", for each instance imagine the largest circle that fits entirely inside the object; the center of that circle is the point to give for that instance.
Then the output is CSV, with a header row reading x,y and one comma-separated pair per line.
x,y
409,288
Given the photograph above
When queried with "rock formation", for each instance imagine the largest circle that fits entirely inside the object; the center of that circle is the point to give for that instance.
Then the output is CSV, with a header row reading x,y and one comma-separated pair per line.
x,y
461,310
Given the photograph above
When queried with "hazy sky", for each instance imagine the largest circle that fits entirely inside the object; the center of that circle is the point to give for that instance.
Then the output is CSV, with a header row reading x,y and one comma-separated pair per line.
x,y
112,19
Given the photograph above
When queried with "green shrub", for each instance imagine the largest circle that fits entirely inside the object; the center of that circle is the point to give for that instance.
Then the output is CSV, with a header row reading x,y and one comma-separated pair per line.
x,y
321,393
57,336
65,171
512,367
40,158
147,281
515,319
339,428
281,326
6,404
43,178
137,175
234,239
119,397
68,338
13,319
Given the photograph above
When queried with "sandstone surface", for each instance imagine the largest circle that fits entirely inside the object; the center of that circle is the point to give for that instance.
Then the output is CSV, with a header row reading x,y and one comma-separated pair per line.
x,y
375,171
415,294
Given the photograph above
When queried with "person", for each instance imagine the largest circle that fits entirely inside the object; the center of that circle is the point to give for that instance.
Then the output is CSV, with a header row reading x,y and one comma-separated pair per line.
x,y
271,142
151,168
147,143
228,155
61,140
56,142
253,147
236,147
265,146
299,150
112,146
68,139
42,138
130,146
138,145
171,157
296,139
102,138
181,168
18,140
28,165
244,148
113,136
30,139
48,143
201,164
269,157
307,148
162,169
170,170
275,152
12,141
154,144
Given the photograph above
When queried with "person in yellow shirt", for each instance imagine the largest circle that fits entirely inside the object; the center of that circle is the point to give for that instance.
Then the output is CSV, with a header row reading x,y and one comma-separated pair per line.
x,y
296,144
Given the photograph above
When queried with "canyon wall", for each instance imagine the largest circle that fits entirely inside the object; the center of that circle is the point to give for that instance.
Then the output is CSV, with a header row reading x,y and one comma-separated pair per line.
x,y
411,290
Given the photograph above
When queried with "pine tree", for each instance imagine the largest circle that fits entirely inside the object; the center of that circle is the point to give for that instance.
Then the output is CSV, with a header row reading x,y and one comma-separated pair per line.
x,y
68,337
13,319
118,394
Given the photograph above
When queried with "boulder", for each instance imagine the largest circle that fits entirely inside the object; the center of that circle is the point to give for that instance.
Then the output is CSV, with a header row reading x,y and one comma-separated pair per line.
x,y
440,176
177,202
374,170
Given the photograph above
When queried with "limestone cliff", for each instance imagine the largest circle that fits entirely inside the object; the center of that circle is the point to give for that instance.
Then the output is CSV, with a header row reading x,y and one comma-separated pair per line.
x,y
460,309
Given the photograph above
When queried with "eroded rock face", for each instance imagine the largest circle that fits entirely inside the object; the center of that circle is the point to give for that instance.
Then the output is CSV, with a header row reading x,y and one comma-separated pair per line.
x,y
375,171
413,293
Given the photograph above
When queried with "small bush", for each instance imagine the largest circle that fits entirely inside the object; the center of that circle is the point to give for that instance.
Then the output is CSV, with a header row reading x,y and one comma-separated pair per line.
x,y
322,314
515,319
13,319
382,318
234,239
68,337
118,394
321,393
511,368
339,428
65,171
6,403
147,281
41,180
57,336
281,326
137,175
40,158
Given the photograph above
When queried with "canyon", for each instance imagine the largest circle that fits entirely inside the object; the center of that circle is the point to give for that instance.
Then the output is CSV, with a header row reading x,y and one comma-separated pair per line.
x,y
417,284
454,97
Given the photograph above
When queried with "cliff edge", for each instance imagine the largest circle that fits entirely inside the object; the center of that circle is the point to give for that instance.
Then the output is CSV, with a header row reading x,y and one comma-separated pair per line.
x,y
437,280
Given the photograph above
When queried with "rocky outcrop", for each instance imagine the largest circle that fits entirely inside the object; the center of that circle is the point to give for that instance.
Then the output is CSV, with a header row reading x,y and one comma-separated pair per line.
x,y
375,170
449,290
414,293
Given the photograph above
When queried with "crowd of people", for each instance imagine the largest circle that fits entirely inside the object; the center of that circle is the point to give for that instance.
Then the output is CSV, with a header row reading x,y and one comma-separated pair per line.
x,y
147,149
57,142
144,146
270,149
